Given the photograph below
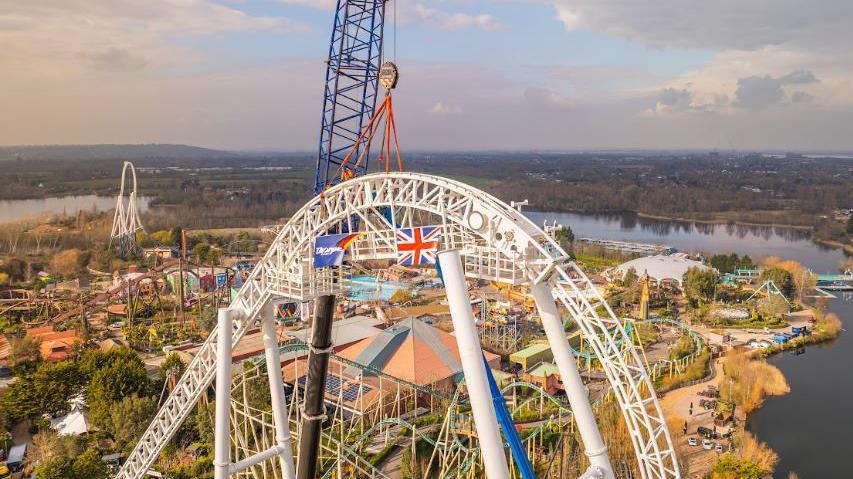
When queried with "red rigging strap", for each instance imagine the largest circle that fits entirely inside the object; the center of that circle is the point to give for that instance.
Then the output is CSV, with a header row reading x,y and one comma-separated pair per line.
x,y
384,119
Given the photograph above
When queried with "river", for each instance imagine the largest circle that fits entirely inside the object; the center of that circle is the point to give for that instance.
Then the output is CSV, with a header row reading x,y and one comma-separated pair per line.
x,y
12,210
809,427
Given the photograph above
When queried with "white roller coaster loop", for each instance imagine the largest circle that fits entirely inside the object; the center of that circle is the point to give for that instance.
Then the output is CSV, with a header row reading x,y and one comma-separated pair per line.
x,y
496,243
126,221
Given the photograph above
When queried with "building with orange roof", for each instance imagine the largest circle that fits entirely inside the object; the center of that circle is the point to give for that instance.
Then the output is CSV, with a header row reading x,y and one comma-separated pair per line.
x,y
54,345
413,351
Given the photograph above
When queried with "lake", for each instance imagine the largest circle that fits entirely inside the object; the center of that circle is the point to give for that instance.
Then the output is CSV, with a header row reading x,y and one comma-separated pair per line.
x,y
11,210
809,427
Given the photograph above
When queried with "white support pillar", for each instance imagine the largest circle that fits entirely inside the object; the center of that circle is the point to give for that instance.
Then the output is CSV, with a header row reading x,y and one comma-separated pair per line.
x,y
471,355
576,392
222,426
279,402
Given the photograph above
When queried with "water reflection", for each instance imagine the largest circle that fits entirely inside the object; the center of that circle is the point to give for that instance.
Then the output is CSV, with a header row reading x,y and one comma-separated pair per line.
x,y
12,210
690,236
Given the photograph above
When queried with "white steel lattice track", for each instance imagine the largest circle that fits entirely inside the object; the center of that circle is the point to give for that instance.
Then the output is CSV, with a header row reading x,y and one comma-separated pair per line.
x,y
126,220
497,243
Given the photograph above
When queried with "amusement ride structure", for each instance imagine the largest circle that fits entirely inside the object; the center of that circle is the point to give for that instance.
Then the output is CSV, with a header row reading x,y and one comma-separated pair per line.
x,y
477,236
126,221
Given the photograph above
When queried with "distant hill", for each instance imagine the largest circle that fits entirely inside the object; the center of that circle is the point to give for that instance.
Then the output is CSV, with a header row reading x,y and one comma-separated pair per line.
x,y
111,152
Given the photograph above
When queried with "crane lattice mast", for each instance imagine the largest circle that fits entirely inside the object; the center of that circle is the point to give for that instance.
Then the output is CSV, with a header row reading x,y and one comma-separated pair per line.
x,y
352,88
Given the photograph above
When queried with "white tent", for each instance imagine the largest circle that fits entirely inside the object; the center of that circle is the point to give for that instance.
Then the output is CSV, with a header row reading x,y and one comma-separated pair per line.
x,y
74,423
658,267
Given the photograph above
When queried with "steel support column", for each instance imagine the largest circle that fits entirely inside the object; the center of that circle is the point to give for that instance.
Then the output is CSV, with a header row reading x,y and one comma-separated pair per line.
x,y
222,425
279,402
473,366
576,392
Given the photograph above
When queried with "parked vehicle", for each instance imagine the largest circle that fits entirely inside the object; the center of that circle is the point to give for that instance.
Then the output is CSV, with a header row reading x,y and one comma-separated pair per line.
x,y
706,433
707,445
692,441
719,448
15,461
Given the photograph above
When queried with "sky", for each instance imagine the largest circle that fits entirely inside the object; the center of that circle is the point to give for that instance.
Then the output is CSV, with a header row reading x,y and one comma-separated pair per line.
x,y
474,74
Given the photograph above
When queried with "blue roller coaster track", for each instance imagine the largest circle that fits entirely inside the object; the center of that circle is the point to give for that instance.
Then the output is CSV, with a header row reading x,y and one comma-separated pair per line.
x,y
355,54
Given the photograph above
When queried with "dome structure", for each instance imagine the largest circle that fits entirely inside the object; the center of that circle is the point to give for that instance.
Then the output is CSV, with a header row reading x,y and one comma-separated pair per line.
x,y
658,267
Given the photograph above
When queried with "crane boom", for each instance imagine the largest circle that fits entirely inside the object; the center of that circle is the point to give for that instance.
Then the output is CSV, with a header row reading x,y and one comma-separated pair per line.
x,y
351,89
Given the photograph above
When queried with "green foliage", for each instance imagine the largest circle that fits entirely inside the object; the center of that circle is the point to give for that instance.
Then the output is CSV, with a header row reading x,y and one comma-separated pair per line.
x,y
699,284
698,369
683,347
401,296
172,365
206,253
24,350
16,269
128,419
728,263
46,391
730,467
57,468
782,278
55,384
565,237
630,277
121,374
87,465
175,236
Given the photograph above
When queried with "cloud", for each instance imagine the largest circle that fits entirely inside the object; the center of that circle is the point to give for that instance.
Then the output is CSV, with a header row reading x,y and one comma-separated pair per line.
x,y
801,97
448,21
726,24
115,59
756,93
547,99
674,99
420,13
50,37
442,108
799,77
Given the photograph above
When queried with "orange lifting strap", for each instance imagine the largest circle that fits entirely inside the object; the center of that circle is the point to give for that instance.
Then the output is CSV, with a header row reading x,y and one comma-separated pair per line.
x,y
389,132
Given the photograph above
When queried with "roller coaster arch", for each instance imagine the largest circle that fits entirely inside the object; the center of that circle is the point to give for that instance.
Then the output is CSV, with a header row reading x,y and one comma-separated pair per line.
x,y
496,242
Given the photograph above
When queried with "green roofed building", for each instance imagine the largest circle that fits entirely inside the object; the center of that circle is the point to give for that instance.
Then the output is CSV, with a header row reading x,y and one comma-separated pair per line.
x,y
532,355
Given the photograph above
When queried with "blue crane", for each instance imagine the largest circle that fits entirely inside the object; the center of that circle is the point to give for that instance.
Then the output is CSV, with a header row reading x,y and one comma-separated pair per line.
x,y
352,88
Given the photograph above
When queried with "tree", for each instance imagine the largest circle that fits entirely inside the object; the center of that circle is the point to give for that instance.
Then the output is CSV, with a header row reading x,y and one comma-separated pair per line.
x,y
89,466
730,467
123,375
177,236
172,365
128,419
55,384
565,237
67,262
163,237
401,296
699,284
58,468
24,350
781,278
630,277
15,268
772,306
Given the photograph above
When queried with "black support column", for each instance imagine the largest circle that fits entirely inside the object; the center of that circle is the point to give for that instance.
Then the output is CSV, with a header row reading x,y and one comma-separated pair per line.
x,y
315,387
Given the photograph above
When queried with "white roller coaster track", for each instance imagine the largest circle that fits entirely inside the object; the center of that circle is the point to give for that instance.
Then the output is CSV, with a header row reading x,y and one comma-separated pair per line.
x,y
126,221
497,243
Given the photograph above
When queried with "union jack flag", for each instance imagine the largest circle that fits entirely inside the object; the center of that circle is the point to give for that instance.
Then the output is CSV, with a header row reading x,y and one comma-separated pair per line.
x,y
417,245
